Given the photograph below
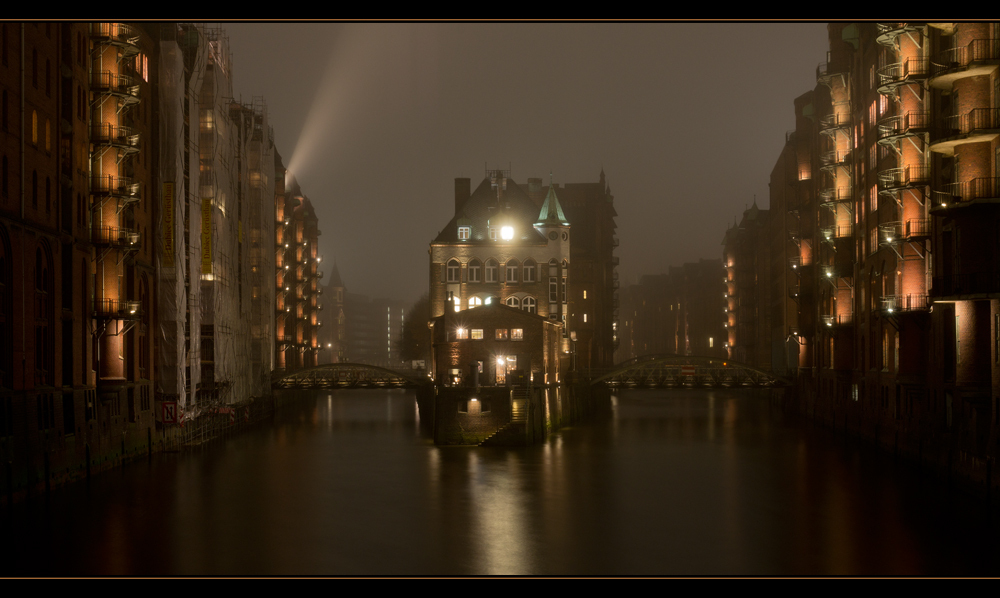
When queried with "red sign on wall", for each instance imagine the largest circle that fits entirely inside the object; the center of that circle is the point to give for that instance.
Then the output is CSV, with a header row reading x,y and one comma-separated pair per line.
x,y
169,412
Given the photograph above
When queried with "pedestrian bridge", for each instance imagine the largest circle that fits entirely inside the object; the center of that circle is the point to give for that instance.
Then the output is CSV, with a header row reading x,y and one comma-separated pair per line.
x,y
347,375
686,371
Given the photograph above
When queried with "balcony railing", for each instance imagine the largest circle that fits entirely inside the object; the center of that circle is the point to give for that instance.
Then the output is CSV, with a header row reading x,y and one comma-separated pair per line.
x,y
907,177
902,125
977,119
834,157
978,50
111,236
834,121
979,188
117,136
830,233
893,304
831,195
917,228
840,320
120,34
121,187
900,73
126,87
117,309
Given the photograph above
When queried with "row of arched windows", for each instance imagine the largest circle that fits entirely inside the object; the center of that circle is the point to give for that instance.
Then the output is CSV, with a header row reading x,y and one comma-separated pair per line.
x,y
512,270
528,303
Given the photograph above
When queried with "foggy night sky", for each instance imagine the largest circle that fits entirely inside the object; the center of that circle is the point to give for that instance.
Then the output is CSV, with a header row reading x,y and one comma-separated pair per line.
x,y
377,120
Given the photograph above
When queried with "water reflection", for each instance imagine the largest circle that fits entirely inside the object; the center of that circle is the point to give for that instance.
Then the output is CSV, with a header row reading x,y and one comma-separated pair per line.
x,y
685,482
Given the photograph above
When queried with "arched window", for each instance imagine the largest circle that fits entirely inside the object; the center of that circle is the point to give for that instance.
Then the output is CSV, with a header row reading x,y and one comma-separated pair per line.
x,y
514,302
528,305
475,269
453,270
475,302
492,267
529,270
512,267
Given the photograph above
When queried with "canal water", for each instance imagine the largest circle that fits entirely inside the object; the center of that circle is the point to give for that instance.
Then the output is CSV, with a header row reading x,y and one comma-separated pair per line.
x,y
666,483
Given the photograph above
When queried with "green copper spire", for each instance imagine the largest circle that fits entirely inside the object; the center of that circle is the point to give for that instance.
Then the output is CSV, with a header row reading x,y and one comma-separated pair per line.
x,y
552,212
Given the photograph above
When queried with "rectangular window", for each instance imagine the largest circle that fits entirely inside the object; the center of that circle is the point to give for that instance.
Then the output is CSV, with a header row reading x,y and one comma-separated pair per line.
x,y
512,272
493,233
585,296
491,271
564,289
474,272
584,318
477,334
529,273
517,334
553,289
461,334
464,232
501,334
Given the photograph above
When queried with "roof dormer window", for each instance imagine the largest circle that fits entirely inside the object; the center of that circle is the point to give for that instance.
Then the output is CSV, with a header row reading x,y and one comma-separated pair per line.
x,y
464,233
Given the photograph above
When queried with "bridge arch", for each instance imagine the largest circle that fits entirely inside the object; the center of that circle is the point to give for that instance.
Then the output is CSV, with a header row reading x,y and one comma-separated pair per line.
x,y
346,375
686,371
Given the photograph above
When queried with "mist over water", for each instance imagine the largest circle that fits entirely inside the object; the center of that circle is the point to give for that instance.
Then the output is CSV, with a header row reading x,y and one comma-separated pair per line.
x,y
669,483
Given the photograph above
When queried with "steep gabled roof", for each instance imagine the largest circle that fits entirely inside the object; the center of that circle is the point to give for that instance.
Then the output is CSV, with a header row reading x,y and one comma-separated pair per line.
x,y
494,205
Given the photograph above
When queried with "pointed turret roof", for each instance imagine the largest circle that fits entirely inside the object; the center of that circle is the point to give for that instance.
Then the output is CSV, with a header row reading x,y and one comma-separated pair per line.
x,y
552,212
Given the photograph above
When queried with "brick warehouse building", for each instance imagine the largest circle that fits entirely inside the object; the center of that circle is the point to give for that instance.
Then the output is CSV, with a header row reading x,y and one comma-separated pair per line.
x,y
884,240
136,243
519,244
76,259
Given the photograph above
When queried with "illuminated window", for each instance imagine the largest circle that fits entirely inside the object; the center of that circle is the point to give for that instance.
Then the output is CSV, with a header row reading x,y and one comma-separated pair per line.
x,y
584,318
461,334
477,334
475,302
501,334
517,334
464,232
585,296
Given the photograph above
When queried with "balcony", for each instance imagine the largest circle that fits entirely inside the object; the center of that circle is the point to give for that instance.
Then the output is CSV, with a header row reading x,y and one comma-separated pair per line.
x,y
117,309
125,37
833,158
888,32
976,283
983,190
830,233
837,321
827,72
122,86
977,58
893,128
895,180
831,196
123,189
911,70
124,139
977,126
901,304
113,237
834,123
